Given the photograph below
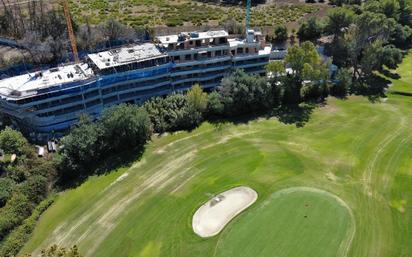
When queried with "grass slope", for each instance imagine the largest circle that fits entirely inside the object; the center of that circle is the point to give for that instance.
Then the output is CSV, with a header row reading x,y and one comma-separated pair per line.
x,y
404,83
291,222
356,150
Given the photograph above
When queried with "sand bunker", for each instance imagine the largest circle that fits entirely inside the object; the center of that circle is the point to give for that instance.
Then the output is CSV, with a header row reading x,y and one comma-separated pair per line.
x,y
213,216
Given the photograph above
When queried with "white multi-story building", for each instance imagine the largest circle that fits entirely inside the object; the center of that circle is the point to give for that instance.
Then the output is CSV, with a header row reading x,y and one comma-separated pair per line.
x,y
52,100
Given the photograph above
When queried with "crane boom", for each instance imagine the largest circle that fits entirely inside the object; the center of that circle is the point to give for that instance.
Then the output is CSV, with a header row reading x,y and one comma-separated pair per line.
x,y
72,37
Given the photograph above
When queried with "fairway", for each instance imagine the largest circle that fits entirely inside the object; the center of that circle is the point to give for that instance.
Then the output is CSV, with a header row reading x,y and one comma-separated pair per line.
x,y
292,222
404,83
355,156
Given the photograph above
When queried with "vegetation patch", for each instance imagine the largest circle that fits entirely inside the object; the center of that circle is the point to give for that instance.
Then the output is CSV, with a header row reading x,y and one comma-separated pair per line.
x,y
178,13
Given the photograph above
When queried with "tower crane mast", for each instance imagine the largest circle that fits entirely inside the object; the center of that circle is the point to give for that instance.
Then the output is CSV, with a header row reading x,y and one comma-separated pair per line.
x,y
248,6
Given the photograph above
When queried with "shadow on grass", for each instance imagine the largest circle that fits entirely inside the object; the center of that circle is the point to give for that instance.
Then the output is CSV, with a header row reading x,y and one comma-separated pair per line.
x,y
295,114
389,74
103,166
292,114
373,88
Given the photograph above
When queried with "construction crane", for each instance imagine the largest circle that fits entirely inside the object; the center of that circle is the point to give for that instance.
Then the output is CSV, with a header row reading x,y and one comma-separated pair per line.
x,y
248,6
72,37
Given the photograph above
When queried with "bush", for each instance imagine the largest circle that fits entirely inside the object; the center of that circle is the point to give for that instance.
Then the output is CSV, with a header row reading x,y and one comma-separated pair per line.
x,y
35,188
12,244
12,141
6,189
13,213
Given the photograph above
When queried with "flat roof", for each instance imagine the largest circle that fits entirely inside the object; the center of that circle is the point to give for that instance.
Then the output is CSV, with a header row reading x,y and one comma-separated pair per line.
x,y
165,40
125,55
28,84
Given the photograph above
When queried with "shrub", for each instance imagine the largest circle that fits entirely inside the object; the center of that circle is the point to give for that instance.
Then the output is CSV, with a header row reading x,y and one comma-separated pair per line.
x,y
12,244
12,141
6,189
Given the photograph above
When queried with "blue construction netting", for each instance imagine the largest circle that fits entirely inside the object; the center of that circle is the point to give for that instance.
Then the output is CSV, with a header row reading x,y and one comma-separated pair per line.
x,y
105,80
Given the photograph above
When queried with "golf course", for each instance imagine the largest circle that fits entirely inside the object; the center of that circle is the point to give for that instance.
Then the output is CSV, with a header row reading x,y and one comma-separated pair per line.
x,y
340,185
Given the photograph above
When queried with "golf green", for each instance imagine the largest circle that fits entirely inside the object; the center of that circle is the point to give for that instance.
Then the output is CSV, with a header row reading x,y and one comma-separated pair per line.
x,y
291,222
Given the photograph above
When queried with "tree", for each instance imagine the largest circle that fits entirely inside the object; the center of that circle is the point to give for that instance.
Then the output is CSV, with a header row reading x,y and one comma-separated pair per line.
x,y
364,39
276,69
310,30
307,68
215,106
390,8
12,141
242,93
197,99
338,20
390,56
114,31
343,83
401,36
82,146
298,56
125,126
405,11
166,114
281,33
89,37
290,90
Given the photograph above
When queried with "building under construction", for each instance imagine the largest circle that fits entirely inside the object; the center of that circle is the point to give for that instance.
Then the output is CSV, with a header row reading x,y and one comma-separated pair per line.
x,y
52,100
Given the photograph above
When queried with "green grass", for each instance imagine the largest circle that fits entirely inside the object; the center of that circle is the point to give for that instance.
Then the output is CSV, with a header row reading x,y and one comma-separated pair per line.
x,y
404,83
288,218
356,150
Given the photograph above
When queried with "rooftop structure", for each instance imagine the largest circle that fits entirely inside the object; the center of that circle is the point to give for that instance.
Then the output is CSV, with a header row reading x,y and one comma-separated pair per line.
x,y
187,36
125,55
29,84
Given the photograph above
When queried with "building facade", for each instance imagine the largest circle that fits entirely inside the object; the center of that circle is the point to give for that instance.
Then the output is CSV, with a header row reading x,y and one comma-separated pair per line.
x,y
52,100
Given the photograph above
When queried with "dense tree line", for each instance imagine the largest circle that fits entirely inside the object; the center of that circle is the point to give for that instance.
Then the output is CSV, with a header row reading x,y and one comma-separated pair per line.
x,y
24,184
367,37
120,128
